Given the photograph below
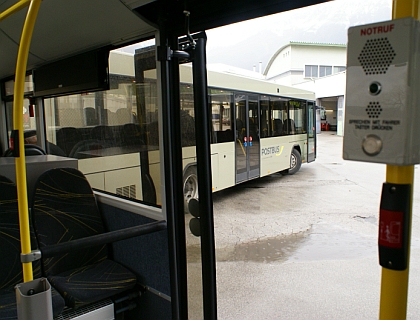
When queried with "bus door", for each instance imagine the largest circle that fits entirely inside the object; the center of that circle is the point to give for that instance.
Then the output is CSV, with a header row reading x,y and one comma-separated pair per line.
x,y
247,145
311,131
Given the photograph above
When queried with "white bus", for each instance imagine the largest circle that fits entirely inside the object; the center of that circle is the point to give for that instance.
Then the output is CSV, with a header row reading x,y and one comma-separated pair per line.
x,y
258,128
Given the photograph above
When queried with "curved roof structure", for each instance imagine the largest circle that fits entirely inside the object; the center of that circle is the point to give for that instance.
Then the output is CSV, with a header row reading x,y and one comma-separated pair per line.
x,y
292,43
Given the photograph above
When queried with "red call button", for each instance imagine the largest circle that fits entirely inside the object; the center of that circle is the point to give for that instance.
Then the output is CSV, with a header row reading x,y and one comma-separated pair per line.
x,y
391,229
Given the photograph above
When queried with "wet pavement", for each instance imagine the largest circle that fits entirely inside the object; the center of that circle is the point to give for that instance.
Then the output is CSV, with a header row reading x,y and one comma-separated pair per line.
x,y
302,246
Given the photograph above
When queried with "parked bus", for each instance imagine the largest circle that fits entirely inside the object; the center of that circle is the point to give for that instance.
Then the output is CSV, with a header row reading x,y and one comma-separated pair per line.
x,y
257,128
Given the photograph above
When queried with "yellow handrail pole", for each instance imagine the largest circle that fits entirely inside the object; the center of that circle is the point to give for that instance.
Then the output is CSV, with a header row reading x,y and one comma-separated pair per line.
x,y
15,8
394,284
19,89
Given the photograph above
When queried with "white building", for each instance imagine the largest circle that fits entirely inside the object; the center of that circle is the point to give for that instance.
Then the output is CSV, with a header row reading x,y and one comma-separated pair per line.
x,y
316,67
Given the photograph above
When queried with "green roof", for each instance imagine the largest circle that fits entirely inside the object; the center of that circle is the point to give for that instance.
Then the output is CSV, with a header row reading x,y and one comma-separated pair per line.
x,y
318,44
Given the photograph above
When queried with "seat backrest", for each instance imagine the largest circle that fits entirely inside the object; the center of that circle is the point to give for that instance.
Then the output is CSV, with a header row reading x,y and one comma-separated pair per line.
x,y
34,150
64,208
91,117
86,149
131,135
11,267
30,150
67,138
102,133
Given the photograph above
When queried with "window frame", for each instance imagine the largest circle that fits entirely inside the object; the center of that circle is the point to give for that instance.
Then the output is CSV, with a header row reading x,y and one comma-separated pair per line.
x,y
312,68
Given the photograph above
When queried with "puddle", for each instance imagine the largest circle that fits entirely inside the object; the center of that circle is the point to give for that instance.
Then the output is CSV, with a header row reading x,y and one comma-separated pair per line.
x,y
321,242
327,242
265,250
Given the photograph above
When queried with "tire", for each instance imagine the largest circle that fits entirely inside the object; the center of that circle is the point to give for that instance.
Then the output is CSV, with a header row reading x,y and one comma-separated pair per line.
x,y
190,186
295,163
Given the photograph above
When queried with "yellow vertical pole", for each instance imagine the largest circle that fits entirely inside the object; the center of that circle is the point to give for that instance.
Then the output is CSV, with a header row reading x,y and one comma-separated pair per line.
x,y
19,90
394,284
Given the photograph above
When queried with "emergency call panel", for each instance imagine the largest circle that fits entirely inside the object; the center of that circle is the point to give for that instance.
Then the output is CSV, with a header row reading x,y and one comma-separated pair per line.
x,y
382,111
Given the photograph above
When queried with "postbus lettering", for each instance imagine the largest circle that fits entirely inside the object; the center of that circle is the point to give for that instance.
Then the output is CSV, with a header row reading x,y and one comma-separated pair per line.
x,y
270,150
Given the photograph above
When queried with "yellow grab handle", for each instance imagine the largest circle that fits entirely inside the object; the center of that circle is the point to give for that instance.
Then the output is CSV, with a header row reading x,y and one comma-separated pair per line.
x,y
394,284
15,8
19,89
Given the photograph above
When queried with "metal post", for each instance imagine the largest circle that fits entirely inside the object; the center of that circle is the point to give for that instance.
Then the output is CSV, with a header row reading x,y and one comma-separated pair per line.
x,y
174,198
202,129
394,284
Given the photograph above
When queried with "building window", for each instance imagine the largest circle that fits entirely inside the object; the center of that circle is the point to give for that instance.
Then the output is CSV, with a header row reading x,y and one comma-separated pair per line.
x,y
311,71
338,69
325,71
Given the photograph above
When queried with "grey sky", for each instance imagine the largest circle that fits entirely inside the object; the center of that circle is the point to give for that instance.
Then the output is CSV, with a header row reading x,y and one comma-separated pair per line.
x,y
247,43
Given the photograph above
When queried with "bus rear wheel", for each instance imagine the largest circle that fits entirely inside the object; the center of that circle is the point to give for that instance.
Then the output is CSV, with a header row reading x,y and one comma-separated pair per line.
x,y
190,186
295,163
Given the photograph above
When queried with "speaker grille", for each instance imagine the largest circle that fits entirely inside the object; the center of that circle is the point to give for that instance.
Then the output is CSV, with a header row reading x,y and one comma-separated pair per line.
x,y
376,56
373,110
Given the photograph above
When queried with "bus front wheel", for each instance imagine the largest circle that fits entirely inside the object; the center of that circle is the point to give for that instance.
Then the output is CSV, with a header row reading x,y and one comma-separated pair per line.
x,y
295,163
190,186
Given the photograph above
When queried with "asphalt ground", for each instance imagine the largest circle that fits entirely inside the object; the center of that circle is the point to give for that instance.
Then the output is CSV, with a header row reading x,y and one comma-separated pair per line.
x,y
302,246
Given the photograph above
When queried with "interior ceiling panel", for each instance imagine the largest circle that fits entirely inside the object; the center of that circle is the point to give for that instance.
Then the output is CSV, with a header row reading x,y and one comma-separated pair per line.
x,y
64,28
208,14
67,27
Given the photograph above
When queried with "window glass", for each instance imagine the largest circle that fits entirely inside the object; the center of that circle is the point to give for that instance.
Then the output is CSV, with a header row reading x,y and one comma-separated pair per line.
x,y
9,86
278,114
325,71
265,128
187,116
221,115
311,71
338,69
296,121
29,120
114,133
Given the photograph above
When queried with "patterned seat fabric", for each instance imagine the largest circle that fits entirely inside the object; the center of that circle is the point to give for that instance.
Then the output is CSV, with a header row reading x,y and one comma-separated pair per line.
x,y
11,267
65,209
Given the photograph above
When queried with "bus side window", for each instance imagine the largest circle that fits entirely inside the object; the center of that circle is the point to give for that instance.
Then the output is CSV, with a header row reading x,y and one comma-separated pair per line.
x,y
221,118
278,127
240,129
264,129
290,126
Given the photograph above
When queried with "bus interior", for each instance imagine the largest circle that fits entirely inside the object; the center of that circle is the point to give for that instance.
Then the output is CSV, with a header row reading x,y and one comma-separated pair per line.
x,y
137,128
